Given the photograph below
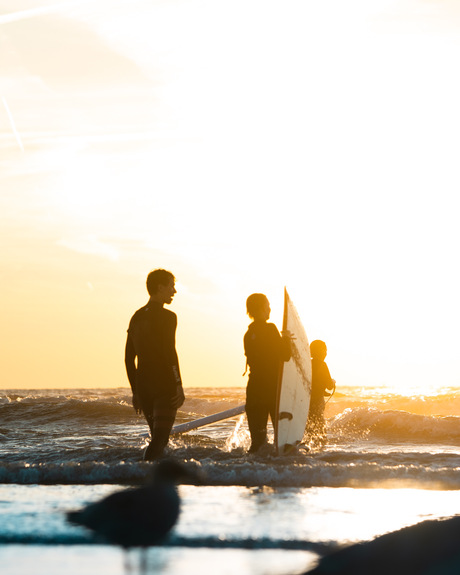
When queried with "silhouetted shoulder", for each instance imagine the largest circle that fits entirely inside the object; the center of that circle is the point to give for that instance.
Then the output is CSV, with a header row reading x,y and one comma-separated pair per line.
x,y
170,314
427,548
273,328
138,315
151,312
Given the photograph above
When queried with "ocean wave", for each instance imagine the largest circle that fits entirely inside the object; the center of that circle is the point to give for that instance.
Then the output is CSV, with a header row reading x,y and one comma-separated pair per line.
x,y
43,407
331,469
43,410
94,436
82,538
396,426
395,414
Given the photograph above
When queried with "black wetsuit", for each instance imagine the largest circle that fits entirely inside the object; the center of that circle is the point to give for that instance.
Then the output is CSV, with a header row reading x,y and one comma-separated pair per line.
x,y
265,351
321,382
155,379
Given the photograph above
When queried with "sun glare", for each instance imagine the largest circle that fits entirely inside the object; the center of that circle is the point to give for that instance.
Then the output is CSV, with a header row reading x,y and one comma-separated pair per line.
x,y
298,146
352,517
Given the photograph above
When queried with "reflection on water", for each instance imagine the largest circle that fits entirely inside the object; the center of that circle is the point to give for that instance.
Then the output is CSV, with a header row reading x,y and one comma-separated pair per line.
x,y
259,530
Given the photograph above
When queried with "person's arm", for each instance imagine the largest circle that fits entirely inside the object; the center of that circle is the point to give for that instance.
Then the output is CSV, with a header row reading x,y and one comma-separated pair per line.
x,y
247,347
329,383
286,345
178,398
130,363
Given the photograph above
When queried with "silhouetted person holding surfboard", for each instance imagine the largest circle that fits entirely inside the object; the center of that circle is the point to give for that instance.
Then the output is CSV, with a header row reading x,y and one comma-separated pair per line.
x,y
322,386
265,351
152,364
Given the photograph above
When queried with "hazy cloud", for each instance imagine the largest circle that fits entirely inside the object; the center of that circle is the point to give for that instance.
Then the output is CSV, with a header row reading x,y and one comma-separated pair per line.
x,y
90,245
64,53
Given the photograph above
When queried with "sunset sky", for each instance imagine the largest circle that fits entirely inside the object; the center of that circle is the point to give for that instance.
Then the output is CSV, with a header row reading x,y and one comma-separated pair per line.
x,y
245,145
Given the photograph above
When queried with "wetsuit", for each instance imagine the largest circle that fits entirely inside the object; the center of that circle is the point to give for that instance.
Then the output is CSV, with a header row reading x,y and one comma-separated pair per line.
x,y
155,380
265,351
321,382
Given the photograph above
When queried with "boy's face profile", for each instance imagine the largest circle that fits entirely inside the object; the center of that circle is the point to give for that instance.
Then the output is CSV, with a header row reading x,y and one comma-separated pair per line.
x,y
266,310
263,312
258,307
165,293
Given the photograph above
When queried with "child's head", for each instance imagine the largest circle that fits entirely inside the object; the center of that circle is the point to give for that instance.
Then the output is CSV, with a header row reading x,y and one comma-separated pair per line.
x,y
157,278
258,306
318,350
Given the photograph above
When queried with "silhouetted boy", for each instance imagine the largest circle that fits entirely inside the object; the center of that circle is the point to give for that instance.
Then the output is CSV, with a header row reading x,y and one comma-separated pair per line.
x,y
321,383
265,351
152,364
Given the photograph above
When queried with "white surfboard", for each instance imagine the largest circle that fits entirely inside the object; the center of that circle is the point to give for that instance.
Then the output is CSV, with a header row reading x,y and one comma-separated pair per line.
x,y
202,421
208,420
294,387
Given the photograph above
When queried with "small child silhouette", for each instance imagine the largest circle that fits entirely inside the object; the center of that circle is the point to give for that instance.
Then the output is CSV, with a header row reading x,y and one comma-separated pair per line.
x,y
322,386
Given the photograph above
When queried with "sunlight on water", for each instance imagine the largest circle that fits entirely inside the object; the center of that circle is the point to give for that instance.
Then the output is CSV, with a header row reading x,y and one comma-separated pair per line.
x,y
350,515
409,389
229,517
239,437
104,560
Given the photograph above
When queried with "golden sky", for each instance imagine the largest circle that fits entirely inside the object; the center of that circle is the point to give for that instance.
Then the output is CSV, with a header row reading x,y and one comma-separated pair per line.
x,y
245,146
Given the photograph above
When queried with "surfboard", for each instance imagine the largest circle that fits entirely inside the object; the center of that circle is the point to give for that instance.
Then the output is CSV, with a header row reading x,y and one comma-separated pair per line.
x,y
202,421
294,386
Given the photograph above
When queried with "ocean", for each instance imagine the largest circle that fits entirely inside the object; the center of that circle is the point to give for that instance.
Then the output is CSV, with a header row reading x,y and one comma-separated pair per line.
x,y
389,461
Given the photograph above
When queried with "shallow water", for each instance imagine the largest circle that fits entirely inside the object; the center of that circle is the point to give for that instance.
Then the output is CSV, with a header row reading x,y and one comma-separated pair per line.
x,y
221,529
98,559
386,465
